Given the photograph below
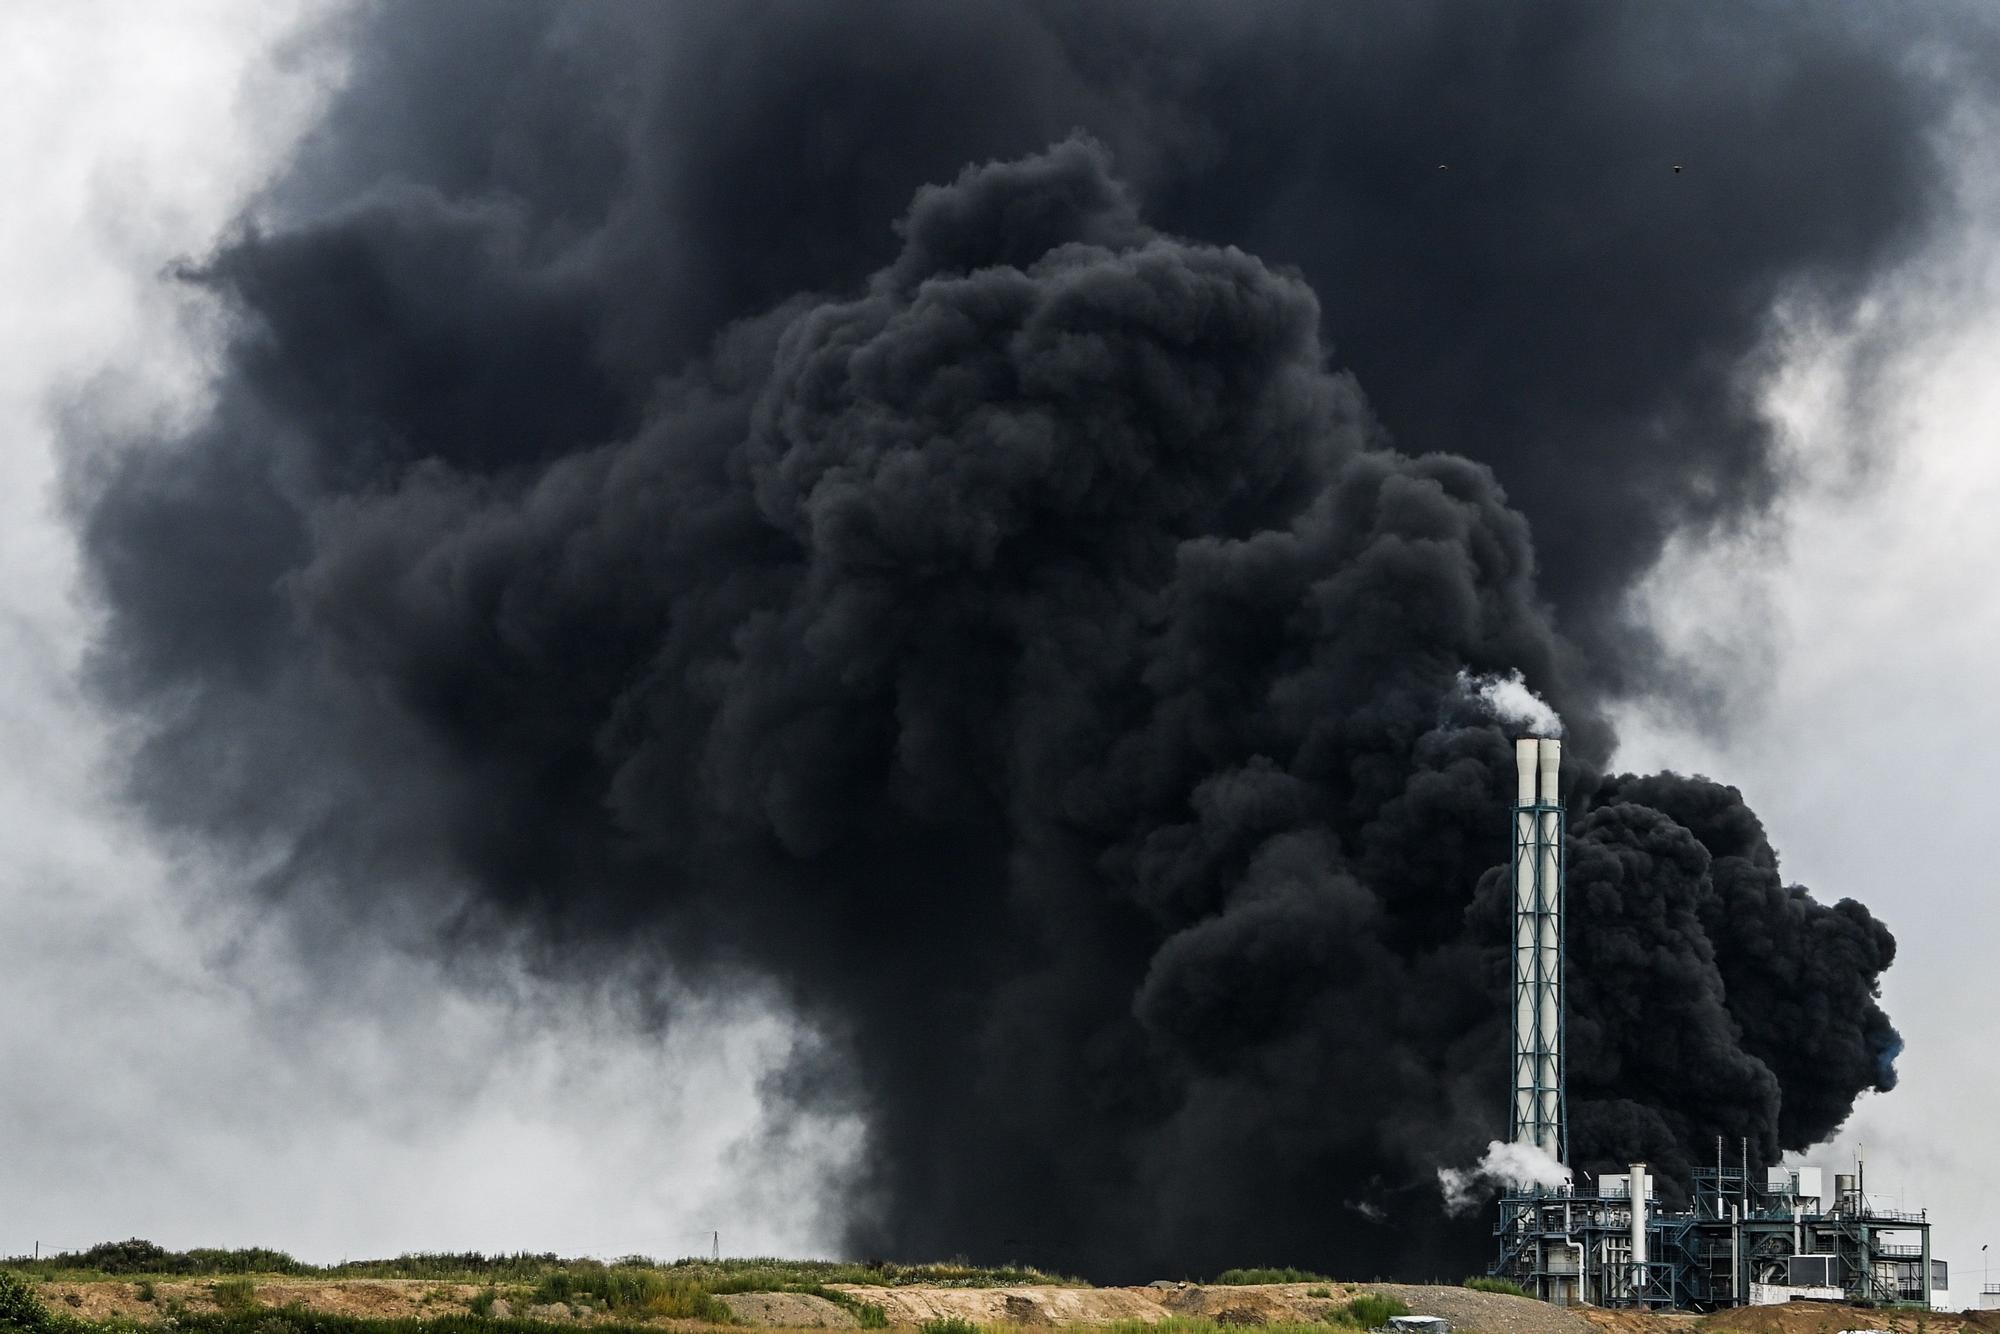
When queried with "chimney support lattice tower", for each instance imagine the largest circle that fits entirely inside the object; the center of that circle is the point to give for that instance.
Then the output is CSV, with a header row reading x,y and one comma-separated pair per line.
x,y
1539,1114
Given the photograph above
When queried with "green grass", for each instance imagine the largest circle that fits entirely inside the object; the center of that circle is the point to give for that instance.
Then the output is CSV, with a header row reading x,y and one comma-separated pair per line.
x,y
1241,1277
950,1324
21,1311
763,1274
137,1258
234,1295
632,1290
1484,1283
1371,1310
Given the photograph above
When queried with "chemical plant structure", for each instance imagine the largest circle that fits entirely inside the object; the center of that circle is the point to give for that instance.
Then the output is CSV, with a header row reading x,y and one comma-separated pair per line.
x,y
1745,1237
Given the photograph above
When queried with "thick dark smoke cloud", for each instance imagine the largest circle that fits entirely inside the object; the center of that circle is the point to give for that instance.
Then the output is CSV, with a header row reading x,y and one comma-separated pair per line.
x,y
1006,638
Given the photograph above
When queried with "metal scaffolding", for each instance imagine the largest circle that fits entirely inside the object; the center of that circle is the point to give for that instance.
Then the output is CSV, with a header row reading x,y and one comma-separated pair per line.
x,y
1539,1112
1741,1238
1744,1238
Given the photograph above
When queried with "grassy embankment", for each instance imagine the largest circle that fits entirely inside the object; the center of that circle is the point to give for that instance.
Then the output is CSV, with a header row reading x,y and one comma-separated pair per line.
x,y
614,1296
636,1287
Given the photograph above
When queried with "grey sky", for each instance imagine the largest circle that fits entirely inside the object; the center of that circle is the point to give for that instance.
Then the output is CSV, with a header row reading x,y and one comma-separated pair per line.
x,y
1860,634
166,1077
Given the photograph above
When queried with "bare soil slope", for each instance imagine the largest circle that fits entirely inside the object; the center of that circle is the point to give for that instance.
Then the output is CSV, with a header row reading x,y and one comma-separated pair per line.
x,y
1262,1304
1796,1318
386,1298
1483,1312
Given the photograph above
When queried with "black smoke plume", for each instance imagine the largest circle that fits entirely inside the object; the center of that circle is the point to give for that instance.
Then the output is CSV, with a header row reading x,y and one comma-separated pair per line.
x,y
1007,640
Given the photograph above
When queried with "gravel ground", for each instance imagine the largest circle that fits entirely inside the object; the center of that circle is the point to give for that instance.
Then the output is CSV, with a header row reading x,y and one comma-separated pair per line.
x,y
1480,1312
1487,1312
791,1310
1484,1312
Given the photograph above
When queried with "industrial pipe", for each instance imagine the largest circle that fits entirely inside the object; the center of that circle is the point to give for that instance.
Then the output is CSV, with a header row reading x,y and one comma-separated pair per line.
x,y
1638,1231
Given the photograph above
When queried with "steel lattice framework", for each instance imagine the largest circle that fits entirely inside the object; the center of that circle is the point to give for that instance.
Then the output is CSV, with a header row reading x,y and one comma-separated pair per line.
x,y
1539,1114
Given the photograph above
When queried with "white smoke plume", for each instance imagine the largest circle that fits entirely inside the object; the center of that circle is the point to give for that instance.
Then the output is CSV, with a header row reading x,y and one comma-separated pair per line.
x,y
1517,1165
1510,700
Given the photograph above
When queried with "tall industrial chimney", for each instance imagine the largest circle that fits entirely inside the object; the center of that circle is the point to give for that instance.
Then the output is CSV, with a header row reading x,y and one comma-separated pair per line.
x,y
1641,1188
1538,955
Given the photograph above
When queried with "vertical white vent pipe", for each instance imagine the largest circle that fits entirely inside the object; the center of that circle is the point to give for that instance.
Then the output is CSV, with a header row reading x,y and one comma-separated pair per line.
x,y
1639,1190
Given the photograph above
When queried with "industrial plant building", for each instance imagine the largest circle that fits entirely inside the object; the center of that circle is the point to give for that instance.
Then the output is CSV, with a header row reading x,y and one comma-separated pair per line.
x,y
1748,1234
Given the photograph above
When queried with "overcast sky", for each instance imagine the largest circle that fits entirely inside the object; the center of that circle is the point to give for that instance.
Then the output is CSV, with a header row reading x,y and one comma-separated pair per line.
x,y
163,1077
1860,636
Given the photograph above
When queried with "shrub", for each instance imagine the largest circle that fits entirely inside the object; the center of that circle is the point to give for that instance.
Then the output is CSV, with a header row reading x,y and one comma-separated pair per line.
x,y
146,1292
1486,1283
868,1315
1371,1310
949,1324
21,1312
138,1256
687,1301
234,1295
132,1256
481,1304
631,1290
1319,1292
1241,1277
248,1260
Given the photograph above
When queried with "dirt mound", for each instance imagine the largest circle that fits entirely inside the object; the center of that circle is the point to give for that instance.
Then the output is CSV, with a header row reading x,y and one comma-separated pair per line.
x,y
1013,1306
791,1310
1639,1322
1488,1312
1793,1318
372,1298
1827,1318
1259,1304
1250,1305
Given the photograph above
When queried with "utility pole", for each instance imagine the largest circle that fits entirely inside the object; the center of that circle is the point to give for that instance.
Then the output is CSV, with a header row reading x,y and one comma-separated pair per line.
x,y
717,1235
